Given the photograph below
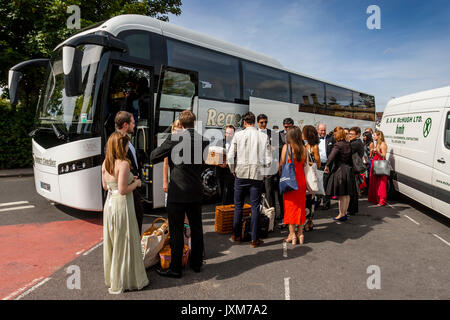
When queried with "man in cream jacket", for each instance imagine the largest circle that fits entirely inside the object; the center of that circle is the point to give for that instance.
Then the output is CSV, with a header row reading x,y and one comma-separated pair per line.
x,y
249,159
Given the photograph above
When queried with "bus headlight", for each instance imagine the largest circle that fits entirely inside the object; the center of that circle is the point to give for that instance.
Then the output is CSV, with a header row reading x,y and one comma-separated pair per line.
x,y
80,164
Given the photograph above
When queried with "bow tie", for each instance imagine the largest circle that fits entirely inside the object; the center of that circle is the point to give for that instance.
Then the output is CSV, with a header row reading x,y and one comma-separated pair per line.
x,y
321,138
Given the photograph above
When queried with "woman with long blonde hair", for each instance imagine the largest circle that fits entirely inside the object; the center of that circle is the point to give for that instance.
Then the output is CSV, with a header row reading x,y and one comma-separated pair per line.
x,y
122,256
378,184
295,201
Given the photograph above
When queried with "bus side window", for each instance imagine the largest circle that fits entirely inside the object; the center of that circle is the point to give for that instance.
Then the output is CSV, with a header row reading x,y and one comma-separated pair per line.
x,y
138,43
265,82
218,73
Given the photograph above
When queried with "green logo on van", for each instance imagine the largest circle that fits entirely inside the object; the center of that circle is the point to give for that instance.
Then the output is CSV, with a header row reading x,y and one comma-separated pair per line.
x,y
427,127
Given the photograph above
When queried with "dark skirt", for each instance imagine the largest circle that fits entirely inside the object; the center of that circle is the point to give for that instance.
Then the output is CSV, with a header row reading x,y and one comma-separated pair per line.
x,y
342,182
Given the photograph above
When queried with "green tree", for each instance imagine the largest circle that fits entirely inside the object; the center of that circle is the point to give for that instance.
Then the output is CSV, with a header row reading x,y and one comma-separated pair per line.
x,y
31,29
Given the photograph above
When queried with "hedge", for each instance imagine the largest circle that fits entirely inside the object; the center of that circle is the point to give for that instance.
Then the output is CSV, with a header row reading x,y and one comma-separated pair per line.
x,y
15,143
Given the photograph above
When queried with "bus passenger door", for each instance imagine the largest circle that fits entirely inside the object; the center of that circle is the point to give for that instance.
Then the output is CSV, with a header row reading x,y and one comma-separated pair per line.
x,y
130,90
441,170
177,91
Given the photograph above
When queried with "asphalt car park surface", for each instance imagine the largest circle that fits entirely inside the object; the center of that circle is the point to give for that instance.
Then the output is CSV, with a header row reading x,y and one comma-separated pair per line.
x,y
400,251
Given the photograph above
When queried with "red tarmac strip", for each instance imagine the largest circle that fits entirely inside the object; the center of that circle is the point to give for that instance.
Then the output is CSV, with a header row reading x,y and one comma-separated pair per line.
x,y
32,251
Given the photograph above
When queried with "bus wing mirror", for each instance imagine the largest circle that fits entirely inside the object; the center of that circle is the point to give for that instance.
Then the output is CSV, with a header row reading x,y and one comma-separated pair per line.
x,y
13,85
71,59
16,74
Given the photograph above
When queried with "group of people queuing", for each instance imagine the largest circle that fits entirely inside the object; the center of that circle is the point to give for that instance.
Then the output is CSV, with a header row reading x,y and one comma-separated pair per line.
x,y
255,156
332,152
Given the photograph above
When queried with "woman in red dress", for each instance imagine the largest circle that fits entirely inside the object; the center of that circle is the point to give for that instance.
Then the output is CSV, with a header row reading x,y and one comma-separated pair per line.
x,y
378,184
295,200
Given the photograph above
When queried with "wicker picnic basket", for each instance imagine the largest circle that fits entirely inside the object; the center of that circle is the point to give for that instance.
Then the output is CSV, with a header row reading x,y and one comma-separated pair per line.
x,y
224,217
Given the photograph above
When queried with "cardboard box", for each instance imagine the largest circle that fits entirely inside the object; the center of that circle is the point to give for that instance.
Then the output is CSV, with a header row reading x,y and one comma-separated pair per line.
x,y
216,156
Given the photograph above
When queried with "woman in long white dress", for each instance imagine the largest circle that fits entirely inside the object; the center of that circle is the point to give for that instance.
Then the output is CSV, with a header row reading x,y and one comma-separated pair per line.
x,y
122,254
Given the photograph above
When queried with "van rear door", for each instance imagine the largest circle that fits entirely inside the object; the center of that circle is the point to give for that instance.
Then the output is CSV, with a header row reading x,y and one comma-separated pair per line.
x,y
441,170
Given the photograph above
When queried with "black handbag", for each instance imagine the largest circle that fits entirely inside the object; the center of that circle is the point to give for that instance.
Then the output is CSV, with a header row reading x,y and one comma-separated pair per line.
x,y
358,164
263,230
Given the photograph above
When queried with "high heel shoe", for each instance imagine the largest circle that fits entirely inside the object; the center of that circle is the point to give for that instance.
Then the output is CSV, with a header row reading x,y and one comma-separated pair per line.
x,y
290,238
343,218
294,240
301,238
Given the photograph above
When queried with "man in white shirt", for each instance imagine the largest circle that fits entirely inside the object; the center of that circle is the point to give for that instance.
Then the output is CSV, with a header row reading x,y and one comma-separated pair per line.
x,y
249,159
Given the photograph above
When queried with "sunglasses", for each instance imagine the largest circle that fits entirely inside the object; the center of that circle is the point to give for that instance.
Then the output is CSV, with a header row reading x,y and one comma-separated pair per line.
x,y
263,122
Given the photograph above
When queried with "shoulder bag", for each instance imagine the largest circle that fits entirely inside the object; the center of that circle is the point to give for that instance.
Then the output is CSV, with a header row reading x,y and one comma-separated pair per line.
x,y
358,164
381,168
288,181
311,175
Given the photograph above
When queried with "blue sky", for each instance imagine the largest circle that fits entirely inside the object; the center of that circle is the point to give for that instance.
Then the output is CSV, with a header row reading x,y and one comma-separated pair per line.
x,y
329,39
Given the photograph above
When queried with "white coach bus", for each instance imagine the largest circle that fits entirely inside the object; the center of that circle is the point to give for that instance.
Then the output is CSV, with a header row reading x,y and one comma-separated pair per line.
x,y
417,131
155,70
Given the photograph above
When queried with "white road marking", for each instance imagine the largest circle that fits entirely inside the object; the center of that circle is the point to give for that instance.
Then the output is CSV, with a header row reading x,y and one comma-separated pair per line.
x,y
32,289
17,208
93,248
447,243
15,293
412,220
285,249
5,204
287,293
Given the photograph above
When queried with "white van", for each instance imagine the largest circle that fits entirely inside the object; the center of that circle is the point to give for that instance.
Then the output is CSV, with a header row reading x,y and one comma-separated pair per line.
x,y
417,131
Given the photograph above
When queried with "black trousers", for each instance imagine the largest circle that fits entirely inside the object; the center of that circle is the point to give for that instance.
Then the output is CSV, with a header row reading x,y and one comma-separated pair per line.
x,y
176,212
272,188
326,200
139,210
353,205
226,185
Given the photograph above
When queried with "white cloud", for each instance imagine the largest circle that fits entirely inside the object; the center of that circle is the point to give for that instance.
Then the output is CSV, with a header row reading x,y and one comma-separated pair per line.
x,y
305,37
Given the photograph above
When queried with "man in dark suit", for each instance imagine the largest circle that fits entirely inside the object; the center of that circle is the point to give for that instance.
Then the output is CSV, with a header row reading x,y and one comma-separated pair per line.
x,y
287,124
271,185
357,147
185,192
224,176
326,144
124,123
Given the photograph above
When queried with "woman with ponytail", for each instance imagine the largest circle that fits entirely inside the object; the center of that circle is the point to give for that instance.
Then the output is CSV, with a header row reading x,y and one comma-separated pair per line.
x,y
295,200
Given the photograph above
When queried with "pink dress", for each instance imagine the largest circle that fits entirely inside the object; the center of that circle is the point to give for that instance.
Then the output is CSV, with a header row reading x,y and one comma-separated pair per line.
x,y
377,185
